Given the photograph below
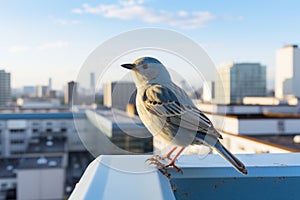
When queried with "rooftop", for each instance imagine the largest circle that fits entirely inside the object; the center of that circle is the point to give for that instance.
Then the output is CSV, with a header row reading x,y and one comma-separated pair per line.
x,y
114,121
46,115
266,116
42,162
47,145
7,167
271,176
280,140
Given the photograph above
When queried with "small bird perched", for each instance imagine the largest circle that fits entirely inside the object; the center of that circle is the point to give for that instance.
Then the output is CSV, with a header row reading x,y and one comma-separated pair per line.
x,y
169,114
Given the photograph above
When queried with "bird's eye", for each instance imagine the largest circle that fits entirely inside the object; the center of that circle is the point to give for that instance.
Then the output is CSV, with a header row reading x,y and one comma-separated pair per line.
x,y
145,66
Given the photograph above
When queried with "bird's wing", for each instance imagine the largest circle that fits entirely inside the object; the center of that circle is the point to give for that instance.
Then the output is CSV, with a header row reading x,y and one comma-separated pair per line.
x,y
163,102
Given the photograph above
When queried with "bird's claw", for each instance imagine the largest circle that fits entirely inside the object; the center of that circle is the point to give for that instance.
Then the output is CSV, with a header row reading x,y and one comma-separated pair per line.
x,y
155,161
165,172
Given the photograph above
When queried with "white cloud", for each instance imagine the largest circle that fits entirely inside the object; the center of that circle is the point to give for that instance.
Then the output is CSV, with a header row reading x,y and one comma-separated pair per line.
x,y
52,45
77,11
19,49
135,10
44,46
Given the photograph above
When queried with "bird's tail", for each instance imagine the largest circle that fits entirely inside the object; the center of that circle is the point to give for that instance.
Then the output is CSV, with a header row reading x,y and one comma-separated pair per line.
x,y
236,163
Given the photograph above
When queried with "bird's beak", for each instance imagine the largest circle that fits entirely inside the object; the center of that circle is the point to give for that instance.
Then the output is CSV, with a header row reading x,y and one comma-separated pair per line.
x,y
128,66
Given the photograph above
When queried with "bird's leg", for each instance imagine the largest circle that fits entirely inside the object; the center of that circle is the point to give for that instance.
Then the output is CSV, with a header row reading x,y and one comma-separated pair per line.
x,y
167,156
155,161
172,162
155,158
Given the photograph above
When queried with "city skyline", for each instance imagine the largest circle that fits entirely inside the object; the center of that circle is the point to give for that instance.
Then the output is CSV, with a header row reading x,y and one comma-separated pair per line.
x,y
50,39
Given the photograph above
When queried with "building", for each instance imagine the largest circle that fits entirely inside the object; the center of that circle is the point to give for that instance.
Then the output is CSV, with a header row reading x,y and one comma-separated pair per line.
x,y
45,175
208,93
29,91
71,93
92,82
37,147
44,165
121,133
256,128
18,128
238,80
287,74
50,83
41,90
5,88
119,94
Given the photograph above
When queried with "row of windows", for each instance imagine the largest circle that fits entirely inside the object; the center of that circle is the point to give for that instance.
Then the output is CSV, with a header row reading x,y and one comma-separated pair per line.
x,y
6,185
17,130
35,130
48,123
17,141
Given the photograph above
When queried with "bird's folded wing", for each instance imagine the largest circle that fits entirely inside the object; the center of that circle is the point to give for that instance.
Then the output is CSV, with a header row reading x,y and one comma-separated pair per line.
x,y
161,101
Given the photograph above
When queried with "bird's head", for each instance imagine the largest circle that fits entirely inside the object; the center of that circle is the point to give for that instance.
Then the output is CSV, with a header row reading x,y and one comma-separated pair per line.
x,y
148,70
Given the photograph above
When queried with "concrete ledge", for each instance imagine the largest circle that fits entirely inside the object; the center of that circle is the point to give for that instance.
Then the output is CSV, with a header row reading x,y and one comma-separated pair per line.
x,y
271,176
122,177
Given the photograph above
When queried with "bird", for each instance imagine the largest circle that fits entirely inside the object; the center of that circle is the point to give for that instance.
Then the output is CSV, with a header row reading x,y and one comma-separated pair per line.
x,y
170,115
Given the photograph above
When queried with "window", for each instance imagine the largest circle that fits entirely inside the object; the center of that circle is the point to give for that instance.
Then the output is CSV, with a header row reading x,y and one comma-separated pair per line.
x,y
49,130
16,141
63,130
49,123
280,126
17,130
3,185
35,130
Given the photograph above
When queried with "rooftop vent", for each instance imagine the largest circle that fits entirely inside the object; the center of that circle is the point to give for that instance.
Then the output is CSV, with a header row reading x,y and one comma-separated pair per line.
x,y
49,143
42,161
52,163
297,139
9,167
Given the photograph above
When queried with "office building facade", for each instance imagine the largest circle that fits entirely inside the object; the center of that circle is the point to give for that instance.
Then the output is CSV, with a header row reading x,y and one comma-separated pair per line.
x,y
238,80
119,94
71,93
287,74
5,88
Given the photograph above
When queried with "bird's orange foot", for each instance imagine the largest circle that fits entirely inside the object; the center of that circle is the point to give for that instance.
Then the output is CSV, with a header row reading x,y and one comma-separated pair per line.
x,y
172,164
155,160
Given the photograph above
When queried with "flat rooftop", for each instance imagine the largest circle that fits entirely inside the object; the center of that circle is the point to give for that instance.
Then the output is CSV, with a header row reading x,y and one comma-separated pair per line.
x,y
284,141
42,162
116,115
47,145
115,121
7,167
41,115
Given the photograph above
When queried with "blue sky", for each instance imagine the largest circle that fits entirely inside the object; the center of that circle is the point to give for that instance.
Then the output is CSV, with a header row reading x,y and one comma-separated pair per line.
x,y
52,38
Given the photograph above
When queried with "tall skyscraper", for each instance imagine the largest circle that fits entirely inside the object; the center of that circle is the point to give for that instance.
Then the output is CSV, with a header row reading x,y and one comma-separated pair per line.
x,y
5,88
41,90
119,94
238,80
287,74
92,81
71,93
50,83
